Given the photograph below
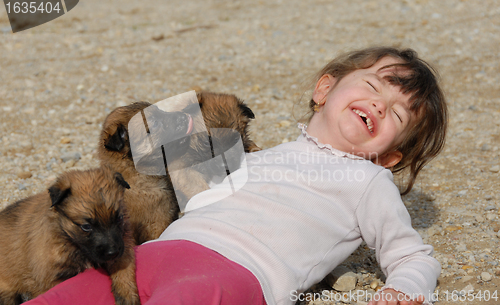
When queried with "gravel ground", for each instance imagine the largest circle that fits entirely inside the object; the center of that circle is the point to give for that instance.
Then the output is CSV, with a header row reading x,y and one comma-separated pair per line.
x,y
59,80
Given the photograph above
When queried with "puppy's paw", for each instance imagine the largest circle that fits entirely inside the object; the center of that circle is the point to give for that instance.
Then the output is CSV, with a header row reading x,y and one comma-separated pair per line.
x,y
122,273
120,300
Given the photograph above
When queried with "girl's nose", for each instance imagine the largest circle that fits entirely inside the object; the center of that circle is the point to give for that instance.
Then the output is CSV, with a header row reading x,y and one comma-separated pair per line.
x,y
379,108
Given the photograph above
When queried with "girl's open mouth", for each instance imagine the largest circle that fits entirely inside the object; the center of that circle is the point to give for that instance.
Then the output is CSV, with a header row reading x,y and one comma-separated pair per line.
x,y
365,118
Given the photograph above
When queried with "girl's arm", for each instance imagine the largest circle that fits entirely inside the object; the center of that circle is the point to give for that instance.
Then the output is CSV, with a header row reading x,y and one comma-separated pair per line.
x,y
385,226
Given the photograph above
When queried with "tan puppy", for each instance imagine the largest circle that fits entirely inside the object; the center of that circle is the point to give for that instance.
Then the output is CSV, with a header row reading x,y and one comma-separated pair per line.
x,y
151,200
81,222
226,118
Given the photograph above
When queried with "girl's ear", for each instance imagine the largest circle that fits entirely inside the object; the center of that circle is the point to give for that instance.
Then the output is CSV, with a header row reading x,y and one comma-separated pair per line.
x,y
389,159
323,87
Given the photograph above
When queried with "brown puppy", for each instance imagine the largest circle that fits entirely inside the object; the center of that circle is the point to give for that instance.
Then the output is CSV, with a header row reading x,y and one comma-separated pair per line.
x,y
151,201
79,223
226,119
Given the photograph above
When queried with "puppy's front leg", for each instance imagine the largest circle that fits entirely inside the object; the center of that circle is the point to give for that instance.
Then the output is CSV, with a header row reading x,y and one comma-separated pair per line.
x,y
189,181
124,285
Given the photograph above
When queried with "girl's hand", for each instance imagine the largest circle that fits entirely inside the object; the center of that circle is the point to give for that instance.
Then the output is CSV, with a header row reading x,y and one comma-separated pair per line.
x,y
393,297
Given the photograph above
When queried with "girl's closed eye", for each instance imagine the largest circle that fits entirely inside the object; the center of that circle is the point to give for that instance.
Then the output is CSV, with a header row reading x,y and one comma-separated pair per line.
x,y
371,85
397,114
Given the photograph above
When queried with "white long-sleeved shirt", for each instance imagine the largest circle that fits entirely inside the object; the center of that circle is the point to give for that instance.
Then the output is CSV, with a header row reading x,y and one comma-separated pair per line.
x,y
304,209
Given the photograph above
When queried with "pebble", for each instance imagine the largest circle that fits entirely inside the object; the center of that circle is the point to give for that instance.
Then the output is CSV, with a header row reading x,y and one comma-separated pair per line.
x,y
343,279
468,288
21,187
495,169
495,227
24,175
491,216
466,278
479,218
65,140
461,247
73,155
285,123
462,193
453,228
485,276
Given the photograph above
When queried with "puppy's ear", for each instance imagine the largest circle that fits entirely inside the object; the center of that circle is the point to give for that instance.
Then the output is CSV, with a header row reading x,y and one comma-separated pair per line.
x,y
58,194
117,141
121,181
246,111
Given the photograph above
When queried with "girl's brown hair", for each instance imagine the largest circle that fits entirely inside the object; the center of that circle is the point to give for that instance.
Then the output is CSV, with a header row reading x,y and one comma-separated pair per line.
x,y
427,137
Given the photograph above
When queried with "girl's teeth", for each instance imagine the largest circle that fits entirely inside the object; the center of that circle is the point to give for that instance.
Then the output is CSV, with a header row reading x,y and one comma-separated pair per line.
x,y
369,122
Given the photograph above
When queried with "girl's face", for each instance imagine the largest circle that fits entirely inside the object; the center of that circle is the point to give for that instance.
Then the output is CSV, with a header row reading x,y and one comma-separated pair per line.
x,y
363,113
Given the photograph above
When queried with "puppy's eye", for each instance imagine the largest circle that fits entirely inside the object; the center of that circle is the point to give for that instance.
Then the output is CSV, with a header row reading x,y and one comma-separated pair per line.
x,y
86,227
120,218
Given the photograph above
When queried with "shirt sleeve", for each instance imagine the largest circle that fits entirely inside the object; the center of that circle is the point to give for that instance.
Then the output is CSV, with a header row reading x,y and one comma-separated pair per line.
x,y
385,226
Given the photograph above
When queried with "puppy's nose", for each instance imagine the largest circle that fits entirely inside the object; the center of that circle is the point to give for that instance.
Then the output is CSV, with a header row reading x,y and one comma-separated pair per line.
x,y
111,253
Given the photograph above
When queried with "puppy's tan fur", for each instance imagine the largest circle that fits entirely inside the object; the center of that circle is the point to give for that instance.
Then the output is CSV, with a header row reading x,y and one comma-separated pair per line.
x,y
43,242
151,201
220,111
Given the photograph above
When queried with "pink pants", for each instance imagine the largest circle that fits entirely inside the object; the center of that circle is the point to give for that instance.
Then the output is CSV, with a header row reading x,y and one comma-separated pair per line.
x,y
168,272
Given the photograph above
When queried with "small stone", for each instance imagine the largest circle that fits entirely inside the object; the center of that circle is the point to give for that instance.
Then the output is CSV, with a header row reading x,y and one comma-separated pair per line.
x,y
465,267
466,278
374,284
468,288
491,216
485,276
462,193
26,144
453,228
432,231
71,156
158,37
343,279
69,164
24,175
346,282
488,197
285,123
495,169
495,227
65,140
21,187
479,218
485,147
461,247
